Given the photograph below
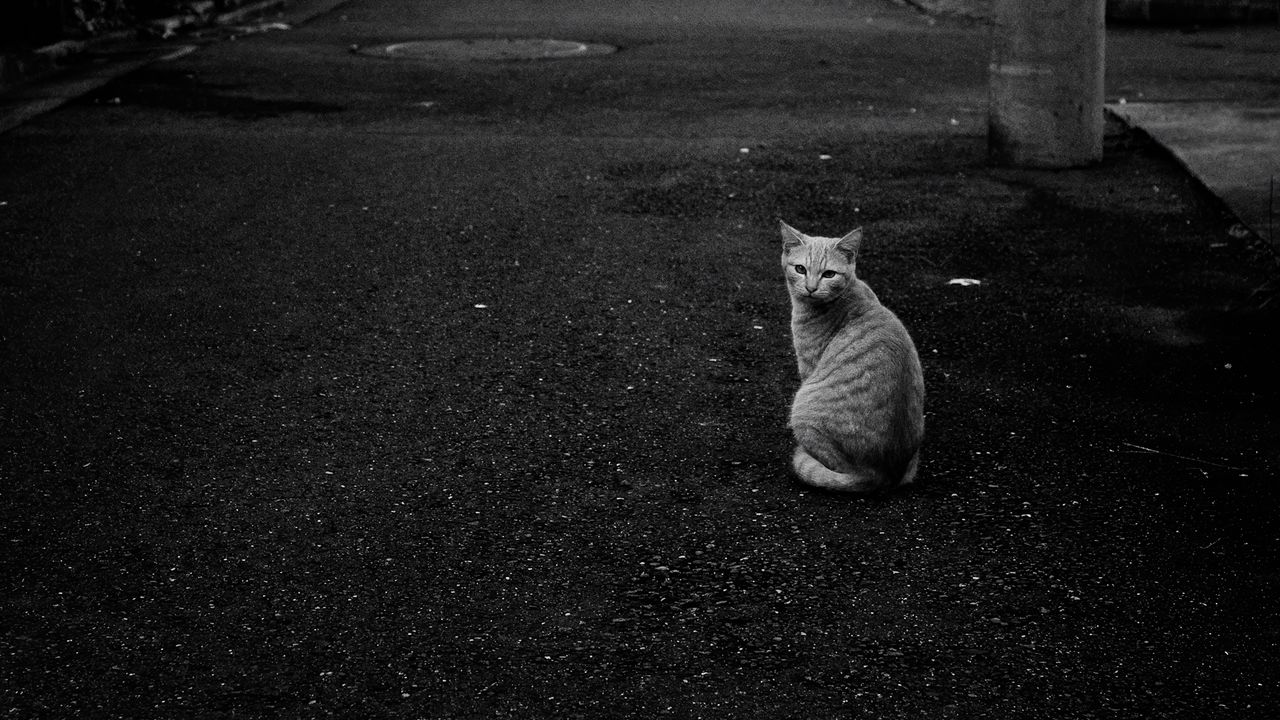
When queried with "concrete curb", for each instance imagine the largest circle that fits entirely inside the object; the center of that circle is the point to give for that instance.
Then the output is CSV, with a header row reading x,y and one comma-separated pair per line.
x,y
1184,12
1155,12
1224,152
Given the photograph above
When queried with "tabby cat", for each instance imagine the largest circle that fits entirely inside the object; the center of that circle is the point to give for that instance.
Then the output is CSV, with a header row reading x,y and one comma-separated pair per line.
x,y
858,417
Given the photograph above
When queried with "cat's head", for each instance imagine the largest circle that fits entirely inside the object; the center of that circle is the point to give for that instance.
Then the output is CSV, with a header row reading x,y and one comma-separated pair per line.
x,y
819,269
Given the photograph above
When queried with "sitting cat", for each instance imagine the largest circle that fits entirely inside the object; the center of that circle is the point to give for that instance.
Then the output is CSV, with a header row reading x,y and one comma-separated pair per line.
x,y
858,417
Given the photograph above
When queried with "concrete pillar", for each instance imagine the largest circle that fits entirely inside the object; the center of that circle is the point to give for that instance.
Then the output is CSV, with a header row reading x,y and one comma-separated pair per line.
x,y
1046,83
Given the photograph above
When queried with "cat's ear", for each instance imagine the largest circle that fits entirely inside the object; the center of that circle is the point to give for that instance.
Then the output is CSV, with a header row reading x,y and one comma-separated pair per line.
x,y
850,244
791,237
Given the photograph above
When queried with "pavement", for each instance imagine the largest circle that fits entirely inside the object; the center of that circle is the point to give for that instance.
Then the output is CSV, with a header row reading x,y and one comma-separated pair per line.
x,y
342,383
1216,108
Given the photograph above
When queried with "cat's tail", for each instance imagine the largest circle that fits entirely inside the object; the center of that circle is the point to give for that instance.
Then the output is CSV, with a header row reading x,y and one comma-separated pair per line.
x,y
861,480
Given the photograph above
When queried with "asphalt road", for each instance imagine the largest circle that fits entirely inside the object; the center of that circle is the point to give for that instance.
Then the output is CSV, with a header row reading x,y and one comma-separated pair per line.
x,y
344,386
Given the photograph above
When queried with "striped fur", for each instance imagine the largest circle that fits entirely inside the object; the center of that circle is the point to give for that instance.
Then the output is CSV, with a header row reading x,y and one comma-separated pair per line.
x,y
858,417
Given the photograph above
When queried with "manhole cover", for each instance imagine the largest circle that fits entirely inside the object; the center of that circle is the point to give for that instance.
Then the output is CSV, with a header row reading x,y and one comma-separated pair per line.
x,y
490,49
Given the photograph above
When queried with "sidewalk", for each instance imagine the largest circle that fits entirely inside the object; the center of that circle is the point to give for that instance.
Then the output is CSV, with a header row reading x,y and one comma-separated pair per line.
x,y
1212,98
17,68
1226,133
45,80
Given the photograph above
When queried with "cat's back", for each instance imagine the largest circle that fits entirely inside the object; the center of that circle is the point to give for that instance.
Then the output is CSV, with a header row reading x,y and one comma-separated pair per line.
x,y
867,390
865,340
873,350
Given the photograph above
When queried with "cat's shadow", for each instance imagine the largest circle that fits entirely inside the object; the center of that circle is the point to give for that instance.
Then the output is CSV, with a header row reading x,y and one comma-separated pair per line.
x,y
916,489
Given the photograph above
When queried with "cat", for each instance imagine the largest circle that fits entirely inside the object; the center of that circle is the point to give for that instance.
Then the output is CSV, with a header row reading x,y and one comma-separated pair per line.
x,y
858,417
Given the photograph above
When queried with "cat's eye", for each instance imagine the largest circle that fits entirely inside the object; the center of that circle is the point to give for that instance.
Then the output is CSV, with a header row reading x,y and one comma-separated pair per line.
x,y
828,273
800,269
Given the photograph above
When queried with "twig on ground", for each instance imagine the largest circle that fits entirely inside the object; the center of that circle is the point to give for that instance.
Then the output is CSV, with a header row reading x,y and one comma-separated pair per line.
x,y
1180,457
